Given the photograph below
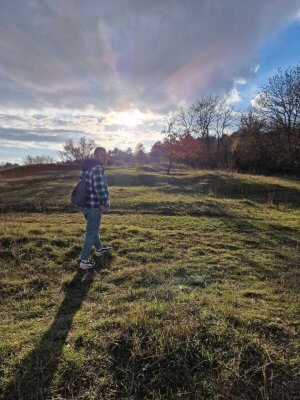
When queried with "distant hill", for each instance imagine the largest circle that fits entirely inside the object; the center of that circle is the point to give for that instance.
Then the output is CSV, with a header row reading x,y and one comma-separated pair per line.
x,y
16,170
8,165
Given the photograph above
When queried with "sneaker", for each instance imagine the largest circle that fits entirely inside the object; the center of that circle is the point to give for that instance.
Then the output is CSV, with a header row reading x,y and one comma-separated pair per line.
x,y
102,251
86,264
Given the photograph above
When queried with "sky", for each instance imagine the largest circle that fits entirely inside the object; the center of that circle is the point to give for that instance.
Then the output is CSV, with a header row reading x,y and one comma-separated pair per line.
x,y
112,70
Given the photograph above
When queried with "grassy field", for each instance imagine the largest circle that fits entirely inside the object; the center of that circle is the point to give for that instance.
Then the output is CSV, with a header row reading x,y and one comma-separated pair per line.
x,y
200,299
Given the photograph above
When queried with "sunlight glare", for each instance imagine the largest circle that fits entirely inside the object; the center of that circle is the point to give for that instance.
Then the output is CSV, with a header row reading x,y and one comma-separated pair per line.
x,y
130,118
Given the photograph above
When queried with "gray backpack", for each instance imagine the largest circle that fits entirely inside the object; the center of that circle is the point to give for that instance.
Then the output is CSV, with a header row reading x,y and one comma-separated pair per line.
x,y
78,195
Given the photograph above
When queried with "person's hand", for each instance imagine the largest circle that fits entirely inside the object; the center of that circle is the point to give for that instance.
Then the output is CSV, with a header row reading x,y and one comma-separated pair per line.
x,y
106,207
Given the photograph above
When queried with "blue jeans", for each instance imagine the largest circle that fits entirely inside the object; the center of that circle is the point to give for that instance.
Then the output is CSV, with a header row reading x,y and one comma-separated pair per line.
x,y
93,219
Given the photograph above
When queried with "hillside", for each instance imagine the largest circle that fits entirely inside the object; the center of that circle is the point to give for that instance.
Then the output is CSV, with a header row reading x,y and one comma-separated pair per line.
x,y
200,299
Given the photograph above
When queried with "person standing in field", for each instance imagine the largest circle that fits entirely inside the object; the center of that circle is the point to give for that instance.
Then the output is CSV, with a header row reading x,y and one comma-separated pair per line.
x,y
97,200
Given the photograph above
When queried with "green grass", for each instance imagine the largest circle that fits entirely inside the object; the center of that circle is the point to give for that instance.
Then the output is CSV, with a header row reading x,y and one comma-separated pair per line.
x,y
200,299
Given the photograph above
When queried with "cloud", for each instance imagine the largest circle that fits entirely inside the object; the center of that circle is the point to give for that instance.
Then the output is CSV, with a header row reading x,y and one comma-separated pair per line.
x,y
51,130
126,54
37,135
254,101
103,67
234,96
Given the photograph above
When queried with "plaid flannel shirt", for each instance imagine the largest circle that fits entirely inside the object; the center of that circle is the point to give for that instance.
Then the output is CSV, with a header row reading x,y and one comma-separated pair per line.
x,y
96,187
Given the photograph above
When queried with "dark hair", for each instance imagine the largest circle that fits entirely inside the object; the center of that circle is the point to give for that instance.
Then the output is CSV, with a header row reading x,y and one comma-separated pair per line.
x,y
98,149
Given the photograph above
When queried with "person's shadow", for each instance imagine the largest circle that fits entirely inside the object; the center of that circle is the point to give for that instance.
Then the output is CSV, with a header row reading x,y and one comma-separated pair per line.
x,y
36,371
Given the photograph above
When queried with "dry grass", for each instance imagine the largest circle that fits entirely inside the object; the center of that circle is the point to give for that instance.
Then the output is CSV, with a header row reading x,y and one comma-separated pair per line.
x,y
200,299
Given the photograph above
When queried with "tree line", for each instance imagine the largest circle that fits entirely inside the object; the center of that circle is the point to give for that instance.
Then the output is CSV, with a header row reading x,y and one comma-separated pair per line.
x,y
210,134
266,138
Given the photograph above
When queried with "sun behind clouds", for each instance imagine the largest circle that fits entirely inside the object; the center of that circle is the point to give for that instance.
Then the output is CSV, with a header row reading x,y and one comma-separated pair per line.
x,y
130,118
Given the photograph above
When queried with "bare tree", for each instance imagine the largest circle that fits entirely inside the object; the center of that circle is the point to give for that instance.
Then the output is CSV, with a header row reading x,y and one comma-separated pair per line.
x,y
156,153
223,120
185,119
249,145
204,115
250,120
279,102
208,116
79,150
31,160
140,155
170,146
